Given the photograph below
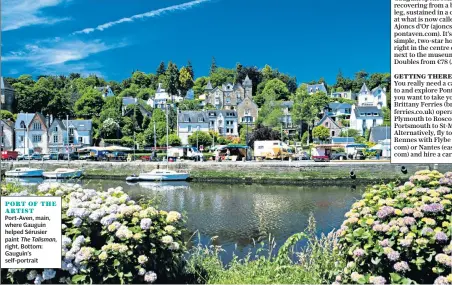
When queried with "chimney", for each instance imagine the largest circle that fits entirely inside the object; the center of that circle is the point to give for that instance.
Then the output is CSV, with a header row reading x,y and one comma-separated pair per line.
x,y
48,121
51,119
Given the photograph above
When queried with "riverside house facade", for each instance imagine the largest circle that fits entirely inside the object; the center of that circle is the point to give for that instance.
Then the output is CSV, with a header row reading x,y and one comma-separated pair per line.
x,y
190,122
224,122
229,95
7,134
31,133
365,117
64,139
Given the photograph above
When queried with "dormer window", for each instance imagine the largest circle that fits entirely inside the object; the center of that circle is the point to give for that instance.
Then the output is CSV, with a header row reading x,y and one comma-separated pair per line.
x,y
55,129
375,114
22,125
200,119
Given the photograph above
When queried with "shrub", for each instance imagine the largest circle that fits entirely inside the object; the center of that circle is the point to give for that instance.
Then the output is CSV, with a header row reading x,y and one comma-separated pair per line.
x,y
108,238
399,234
200,138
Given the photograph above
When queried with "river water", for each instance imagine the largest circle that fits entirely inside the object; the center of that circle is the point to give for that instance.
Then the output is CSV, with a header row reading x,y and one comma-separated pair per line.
x,y
240,215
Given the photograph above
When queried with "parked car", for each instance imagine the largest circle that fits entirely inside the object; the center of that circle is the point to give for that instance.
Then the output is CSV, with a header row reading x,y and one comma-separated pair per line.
x,y
23,157
46,157
36,156
303,156
8,154
360,155
72,156
84,156
339,156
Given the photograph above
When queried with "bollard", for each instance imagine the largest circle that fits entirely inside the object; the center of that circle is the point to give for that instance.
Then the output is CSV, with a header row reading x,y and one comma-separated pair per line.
x,y
352,174
404,170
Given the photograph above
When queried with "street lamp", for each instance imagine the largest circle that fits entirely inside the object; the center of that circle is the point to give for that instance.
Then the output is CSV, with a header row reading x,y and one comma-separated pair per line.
x,y
197,141
246,137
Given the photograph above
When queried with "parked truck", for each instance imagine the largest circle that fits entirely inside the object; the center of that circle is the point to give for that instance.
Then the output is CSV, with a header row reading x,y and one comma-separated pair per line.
x,y
272,150
185,152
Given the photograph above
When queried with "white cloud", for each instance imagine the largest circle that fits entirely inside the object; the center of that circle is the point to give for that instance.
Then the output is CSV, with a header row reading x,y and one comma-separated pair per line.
x,y
21,13
150,14
58,56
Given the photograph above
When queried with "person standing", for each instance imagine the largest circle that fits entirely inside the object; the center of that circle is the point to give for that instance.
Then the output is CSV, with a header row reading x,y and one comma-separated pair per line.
x,y
228,153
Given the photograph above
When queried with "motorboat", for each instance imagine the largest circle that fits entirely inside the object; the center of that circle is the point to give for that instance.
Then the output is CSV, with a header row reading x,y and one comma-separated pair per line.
x,y
24,172
133,178
163,175
63,173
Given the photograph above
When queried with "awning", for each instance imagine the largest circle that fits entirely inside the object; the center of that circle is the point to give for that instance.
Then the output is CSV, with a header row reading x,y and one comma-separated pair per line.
x,y
117,148
377,147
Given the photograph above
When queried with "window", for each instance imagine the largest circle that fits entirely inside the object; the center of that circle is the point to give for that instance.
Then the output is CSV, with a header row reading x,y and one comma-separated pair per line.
x,y
200,119
71,131
21,138
374,123
333,133
80,140
375,114
228,100
37,138
22,125
55,129
189,128
36,125
55,138
326,124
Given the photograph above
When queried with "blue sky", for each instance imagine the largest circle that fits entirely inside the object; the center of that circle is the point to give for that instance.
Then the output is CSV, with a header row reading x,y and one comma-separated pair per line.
x,y
111,38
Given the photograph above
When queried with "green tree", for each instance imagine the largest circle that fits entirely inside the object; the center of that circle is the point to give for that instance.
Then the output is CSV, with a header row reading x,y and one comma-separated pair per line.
x,y
161,69
132,91
171,82
127,126
26,79
145,93
173,140
90,104
158,116
24,99
5,115
189,105
185,79
320,132
60,105
222,76
40,96
276,89
213,66
199,85
199,138
141,79
190,70
160,132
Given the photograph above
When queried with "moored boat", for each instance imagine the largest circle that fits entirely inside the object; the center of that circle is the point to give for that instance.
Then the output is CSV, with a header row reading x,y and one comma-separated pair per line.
x,y
163,175
63,173
24,172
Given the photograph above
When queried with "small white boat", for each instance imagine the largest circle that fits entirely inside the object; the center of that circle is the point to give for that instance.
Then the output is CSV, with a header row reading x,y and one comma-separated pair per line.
x,y
24,172
62,173
163,175
132,178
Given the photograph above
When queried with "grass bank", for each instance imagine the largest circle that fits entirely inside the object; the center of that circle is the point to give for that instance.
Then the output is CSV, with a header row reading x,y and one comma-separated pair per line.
x,y
317,262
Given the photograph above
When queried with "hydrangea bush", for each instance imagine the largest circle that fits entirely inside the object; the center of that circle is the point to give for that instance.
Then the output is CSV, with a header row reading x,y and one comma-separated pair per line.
x,y
400,234
108,238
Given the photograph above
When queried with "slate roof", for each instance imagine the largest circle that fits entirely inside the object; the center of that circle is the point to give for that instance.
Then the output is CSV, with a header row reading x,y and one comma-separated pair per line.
x,y
367,109
25,117
247,81
4,84
317,87
223,112
193,117
324,119
341,140
337,105
80,125
364,89
209,86
379,133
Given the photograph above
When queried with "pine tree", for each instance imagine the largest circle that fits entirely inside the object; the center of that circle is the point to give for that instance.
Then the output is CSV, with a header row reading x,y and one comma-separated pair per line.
x,y
190,70
213,66
161,69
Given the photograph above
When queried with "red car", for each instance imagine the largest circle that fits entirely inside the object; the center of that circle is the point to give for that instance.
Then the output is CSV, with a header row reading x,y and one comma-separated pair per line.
x,y
9,155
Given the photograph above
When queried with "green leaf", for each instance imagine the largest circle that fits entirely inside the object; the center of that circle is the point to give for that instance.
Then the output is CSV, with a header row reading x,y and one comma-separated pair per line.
x,y
395,277
376,260
116,262
77,278
129,274
362,280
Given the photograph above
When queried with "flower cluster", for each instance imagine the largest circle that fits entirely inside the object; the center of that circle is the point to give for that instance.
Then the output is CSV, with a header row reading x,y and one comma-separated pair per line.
x,y
400,220
103,236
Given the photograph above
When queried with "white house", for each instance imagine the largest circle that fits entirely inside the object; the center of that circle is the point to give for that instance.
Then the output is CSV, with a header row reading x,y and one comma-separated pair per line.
x,y
162,98
320,87
63,139
365,117
190,122
7,134
31,133
340,109
376,97
344,94
224,122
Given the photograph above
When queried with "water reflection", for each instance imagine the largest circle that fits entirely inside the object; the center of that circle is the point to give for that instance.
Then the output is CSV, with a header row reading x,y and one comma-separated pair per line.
x,y
240,215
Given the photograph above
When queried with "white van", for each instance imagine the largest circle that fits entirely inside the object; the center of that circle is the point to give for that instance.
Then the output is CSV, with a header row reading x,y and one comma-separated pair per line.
x,y
271,150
